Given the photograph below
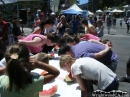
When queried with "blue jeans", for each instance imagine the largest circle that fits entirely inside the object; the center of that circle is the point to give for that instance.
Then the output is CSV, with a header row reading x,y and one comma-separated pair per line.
x,y
113,66
113,86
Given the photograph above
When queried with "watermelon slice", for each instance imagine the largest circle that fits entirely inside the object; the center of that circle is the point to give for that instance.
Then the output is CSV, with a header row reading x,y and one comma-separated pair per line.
x,y
69,78
56,48
48,93
52,54
43,72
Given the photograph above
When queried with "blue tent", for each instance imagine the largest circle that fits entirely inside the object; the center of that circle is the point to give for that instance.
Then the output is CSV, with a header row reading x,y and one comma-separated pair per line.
x,y
70,11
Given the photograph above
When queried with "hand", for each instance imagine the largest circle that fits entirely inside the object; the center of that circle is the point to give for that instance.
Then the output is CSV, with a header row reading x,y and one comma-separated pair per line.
x,y
108,46
1,38
33,62
20,37
20,41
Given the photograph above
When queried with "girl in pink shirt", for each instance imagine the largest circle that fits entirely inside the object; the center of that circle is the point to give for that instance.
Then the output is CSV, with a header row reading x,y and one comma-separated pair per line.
x,y
36,42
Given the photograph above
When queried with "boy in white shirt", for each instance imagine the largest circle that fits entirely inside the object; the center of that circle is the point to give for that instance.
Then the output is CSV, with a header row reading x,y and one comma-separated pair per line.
x,y
89,69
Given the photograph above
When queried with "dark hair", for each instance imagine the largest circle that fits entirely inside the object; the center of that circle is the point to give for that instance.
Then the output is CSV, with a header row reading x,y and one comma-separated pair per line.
x,y
106,40
18,69
46,21
53,37
84,21
43,57
66,38
64,49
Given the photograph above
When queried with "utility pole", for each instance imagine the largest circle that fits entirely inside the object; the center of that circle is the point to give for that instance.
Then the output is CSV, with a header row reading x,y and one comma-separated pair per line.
x,y
94,6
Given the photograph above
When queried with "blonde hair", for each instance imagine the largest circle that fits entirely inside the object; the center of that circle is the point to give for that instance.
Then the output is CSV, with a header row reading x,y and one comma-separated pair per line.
x,y
65,59
43,57
62,17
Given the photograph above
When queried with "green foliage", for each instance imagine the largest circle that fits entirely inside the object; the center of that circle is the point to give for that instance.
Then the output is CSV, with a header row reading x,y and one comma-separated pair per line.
x,y
102,4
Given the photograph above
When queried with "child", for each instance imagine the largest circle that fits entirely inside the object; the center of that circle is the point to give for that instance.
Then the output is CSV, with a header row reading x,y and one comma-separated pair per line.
x,y
106,41
100,28
19,81
89,69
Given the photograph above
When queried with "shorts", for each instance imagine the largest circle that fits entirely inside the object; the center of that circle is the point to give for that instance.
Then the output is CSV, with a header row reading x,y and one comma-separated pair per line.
x,y
108,28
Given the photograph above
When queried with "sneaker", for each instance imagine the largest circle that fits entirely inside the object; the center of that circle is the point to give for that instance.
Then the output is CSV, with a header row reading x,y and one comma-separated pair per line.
x,y
124,79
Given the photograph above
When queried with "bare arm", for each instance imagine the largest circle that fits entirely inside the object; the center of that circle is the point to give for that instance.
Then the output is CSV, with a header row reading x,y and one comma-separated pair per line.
x,y
52,71
102,53
2,70
36,42
36,31
93,31
96,41
58,26
82,85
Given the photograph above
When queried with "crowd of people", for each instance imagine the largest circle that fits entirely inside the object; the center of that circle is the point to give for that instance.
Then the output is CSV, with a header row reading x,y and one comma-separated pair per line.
x,y
87,57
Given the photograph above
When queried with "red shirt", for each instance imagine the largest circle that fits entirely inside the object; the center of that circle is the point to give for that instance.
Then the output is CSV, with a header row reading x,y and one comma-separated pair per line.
x,y
3,30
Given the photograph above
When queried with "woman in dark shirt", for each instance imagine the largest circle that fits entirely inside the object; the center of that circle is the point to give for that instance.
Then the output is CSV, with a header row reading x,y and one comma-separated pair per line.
x,y
16,29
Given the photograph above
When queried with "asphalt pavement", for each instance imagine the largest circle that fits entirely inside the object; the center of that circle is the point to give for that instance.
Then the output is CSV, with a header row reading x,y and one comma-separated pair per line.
x,y
121,46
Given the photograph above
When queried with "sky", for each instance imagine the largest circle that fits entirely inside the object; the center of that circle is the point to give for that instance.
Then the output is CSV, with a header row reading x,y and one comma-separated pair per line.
x,y
83,1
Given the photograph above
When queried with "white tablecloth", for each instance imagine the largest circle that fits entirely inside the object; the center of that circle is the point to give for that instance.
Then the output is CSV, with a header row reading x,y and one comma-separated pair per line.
x,y
64,89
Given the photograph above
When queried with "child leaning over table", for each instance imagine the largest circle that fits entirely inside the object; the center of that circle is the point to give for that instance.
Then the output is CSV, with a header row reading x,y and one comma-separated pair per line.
x,y
19,81
89,69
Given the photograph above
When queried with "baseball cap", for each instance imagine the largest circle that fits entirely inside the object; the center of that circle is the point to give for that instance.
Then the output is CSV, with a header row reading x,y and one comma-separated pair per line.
x,y
53,13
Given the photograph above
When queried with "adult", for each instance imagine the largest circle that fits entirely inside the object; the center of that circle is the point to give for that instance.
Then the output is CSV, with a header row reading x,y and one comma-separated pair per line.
x,y
16,29
3,36
75,24
89,29
108,23
36,42
62,25
127,77
128,24
53,17
89,49
19,81
114,22
47,23
38,20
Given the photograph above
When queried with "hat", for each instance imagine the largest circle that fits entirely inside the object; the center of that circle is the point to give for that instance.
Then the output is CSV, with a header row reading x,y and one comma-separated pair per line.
x,y
53,13
38,10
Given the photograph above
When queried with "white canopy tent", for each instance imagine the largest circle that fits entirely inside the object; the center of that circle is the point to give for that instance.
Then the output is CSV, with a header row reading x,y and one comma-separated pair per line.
x,y
120,11
75,7
90,13
115,10
126,6
99,11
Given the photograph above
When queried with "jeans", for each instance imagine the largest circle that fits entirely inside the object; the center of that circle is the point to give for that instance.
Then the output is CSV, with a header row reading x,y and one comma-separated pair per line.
x,y
113,66
113,86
